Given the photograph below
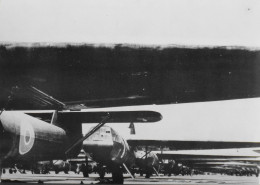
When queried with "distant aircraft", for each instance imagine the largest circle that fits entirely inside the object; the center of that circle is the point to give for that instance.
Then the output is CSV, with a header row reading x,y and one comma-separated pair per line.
x,y
218,155
207,160
108,148
229,168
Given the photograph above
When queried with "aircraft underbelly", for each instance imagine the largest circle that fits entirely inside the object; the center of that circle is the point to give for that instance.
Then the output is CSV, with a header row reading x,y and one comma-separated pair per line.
x,y
99,153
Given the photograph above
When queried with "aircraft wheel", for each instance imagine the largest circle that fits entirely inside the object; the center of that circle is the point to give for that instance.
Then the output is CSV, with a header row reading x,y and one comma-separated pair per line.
x,y
117,174
148,175
101,171
117,177
101,174
85,174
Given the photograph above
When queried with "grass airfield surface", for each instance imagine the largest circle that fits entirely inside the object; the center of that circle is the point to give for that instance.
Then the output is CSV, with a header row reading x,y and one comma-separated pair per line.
x,y
73,178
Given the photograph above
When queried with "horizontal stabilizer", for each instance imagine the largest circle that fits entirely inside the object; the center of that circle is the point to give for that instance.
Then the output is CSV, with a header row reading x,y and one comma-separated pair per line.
x,y
193,145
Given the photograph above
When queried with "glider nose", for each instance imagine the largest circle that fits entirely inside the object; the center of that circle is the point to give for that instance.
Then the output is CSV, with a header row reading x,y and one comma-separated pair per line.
x,y
99,144
101,138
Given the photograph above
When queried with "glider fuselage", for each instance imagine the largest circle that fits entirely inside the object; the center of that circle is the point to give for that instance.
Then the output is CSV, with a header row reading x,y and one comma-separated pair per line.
x,y
25,138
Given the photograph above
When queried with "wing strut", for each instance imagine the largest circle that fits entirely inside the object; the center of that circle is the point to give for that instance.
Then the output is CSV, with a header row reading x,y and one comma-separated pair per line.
x,y
147,175
132,176
146,153
92,131
54,117
161,160
156,172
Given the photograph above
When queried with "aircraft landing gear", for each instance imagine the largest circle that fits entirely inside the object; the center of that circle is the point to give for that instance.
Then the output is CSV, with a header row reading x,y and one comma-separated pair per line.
x,y
148,175
101,171
85,171
10,171
117,175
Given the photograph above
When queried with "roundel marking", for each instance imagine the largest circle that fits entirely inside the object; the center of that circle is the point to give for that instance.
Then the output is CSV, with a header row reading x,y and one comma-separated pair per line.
x,y
27,136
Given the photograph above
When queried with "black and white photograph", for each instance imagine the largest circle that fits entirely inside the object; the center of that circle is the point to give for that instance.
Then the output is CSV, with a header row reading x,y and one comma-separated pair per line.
x,y
130,92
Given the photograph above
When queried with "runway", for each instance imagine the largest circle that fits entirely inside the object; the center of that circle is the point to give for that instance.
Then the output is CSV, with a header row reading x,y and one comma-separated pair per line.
x,y
73,178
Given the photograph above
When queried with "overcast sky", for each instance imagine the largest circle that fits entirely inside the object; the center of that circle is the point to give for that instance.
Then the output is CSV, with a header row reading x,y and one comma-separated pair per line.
x,y
196,22
159,22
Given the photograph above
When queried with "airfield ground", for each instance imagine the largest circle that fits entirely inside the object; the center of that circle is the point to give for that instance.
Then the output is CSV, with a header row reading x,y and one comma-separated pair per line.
x,y
72,178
